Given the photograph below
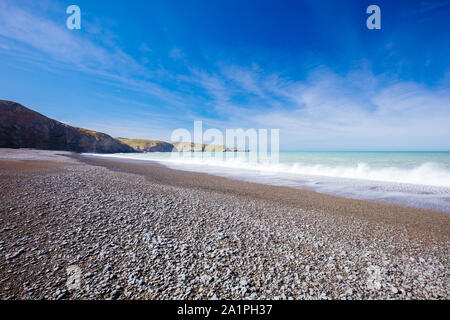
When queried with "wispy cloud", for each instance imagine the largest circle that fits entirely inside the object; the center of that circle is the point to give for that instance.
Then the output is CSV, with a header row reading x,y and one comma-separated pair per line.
x,y
40,40
176,54
357,109
31,32
428,6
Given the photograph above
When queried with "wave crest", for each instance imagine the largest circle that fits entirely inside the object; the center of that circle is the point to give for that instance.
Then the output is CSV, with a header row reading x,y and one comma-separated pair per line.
x,y
430,173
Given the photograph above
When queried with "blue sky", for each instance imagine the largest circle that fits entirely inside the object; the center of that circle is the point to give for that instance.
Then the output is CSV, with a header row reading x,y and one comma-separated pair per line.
x,y
141,69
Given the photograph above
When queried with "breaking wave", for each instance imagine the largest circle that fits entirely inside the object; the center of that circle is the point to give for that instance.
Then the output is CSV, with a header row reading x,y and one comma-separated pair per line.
x,y
430,173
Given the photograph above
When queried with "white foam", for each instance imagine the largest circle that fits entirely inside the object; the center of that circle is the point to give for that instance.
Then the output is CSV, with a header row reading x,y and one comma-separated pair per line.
x,y
432,174
426,185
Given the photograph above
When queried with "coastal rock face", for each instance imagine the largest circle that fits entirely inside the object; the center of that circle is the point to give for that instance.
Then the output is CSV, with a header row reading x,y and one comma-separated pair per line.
x,y
197,147
143,145
188,147
21,127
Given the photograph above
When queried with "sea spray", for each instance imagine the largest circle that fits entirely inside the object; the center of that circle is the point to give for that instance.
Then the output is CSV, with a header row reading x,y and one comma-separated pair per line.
x,y
420,179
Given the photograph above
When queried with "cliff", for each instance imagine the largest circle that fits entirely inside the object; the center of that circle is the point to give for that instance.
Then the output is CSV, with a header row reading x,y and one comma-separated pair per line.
x,y
21,127
197,147
143,145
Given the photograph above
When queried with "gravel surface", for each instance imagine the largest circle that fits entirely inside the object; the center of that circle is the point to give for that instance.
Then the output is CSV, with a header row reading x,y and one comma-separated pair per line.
x,y
86,232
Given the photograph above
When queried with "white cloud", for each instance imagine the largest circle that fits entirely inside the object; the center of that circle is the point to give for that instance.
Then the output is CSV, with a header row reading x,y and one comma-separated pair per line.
x,y
176,54
31,36
329,111
326,110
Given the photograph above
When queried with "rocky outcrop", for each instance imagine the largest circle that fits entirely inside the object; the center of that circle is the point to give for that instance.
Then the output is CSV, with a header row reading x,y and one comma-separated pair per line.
x,y
143,145
188,147
197,147
21,127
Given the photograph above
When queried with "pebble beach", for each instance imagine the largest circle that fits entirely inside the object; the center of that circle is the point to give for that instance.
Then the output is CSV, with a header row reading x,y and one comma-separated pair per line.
x,y
142,231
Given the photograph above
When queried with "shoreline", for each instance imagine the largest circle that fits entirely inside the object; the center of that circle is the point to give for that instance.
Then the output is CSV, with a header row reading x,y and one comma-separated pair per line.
x,y
148,232
374,211
423,196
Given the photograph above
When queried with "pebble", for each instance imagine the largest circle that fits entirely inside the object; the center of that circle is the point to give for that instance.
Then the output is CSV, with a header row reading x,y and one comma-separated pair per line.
x,y
133,238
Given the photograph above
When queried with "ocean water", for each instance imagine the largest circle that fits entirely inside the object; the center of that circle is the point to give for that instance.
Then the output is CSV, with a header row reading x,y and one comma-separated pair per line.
x,y
418,179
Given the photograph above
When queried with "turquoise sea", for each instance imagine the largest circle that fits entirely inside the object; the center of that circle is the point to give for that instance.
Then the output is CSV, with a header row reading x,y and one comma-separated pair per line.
x,y
420,179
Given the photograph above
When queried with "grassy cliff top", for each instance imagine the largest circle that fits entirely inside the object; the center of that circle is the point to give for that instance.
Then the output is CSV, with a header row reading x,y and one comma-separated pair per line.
x,y
92,133
142,144
138,142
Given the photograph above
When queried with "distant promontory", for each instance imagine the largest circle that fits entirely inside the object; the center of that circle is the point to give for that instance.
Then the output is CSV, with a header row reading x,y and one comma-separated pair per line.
x,y
21,127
